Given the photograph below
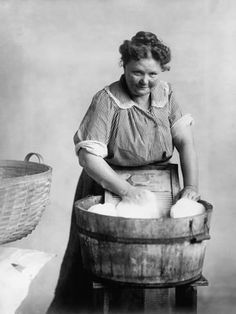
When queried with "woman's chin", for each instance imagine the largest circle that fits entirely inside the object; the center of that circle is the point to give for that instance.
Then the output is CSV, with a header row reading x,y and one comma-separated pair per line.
x,y
142,91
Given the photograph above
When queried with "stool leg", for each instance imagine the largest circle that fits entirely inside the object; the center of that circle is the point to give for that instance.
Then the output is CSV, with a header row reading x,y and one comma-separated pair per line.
x,y
98,300
157,300
106,301
186,298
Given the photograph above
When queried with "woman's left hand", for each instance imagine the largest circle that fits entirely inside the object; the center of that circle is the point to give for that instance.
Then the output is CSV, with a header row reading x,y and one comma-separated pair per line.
x,y
188,192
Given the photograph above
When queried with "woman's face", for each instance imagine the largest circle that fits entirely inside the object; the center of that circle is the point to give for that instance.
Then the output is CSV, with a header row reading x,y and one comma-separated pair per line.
x,y
142,75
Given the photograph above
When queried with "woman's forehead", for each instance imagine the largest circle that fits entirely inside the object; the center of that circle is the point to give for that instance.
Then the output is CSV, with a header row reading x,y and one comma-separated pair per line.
x,y
144,63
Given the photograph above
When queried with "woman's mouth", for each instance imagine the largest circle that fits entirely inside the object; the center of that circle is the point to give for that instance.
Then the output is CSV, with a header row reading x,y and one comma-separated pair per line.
x,y
142,86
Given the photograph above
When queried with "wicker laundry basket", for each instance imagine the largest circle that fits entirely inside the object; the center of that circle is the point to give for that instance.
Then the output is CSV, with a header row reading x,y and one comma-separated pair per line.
x,y
24,195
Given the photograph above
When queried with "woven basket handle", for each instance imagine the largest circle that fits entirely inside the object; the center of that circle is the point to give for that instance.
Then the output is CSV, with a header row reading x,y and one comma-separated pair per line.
x,y
28,156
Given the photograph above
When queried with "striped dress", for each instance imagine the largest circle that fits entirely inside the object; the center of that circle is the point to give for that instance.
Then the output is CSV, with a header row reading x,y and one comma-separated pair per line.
x,y
124,134
118,130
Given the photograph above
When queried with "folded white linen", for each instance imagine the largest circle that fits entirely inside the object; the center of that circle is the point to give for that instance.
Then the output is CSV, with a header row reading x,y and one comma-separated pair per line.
x,y
18,267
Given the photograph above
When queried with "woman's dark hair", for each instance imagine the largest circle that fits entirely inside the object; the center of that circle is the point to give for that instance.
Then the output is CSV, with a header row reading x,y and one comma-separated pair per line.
x,y
141,46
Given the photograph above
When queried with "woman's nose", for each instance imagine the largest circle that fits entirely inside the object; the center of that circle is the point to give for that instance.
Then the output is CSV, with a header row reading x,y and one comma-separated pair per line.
x,y
144,80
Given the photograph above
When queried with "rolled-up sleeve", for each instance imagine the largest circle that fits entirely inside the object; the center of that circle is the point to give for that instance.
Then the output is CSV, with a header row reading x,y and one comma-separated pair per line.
x,y
94,131
175,112
181,125
178,122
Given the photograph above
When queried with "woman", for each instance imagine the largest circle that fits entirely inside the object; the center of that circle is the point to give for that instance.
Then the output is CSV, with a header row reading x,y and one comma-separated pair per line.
x,y
133,122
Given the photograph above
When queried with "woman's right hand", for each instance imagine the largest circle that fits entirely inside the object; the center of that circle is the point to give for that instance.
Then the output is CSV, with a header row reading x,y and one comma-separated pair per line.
x,y
138,196
138,203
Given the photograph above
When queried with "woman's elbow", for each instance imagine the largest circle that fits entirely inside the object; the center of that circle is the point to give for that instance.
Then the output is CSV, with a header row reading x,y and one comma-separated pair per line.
x,y
187,150
183,143
82,158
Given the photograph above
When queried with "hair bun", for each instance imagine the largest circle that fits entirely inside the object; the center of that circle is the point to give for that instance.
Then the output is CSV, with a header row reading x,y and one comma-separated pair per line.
x,y
145,38
144,45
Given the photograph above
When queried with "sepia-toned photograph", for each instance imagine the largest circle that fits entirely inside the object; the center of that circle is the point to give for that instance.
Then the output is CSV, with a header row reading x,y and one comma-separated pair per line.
x,y
117,143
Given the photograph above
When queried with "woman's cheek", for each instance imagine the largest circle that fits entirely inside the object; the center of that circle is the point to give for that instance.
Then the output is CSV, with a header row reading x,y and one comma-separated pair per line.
x,y
135,81
152,83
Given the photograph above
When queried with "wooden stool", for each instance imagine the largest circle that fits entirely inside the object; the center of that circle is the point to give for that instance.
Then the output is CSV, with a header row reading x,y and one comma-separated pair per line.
x,y
162,300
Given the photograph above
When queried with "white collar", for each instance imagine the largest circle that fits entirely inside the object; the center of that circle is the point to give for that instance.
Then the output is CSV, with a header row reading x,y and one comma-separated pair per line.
x,y
159,95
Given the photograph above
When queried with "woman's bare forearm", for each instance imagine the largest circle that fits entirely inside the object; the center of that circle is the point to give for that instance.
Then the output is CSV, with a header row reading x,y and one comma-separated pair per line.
x,y
184,143
189,165
98,169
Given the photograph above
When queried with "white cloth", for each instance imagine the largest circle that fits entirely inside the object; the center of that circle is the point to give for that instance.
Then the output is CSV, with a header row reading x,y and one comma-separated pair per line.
x,y
104,209
186,208
18,267
146,209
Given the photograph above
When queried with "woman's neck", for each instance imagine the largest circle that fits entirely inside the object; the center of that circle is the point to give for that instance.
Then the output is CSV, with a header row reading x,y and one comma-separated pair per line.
x,y
143,101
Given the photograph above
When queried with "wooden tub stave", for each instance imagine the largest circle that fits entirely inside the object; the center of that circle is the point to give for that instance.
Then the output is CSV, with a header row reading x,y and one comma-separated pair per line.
x,y
142,252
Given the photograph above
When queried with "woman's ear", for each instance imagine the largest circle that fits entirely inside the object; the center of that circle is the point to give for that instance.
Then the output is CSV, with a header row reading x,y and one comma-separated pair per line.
x,y
124,69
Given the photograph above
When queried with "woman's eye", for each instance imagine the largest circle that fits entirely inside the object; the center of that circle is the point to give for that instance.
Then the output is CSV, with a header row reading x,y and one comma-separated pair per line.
x,y
137,73
153,74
